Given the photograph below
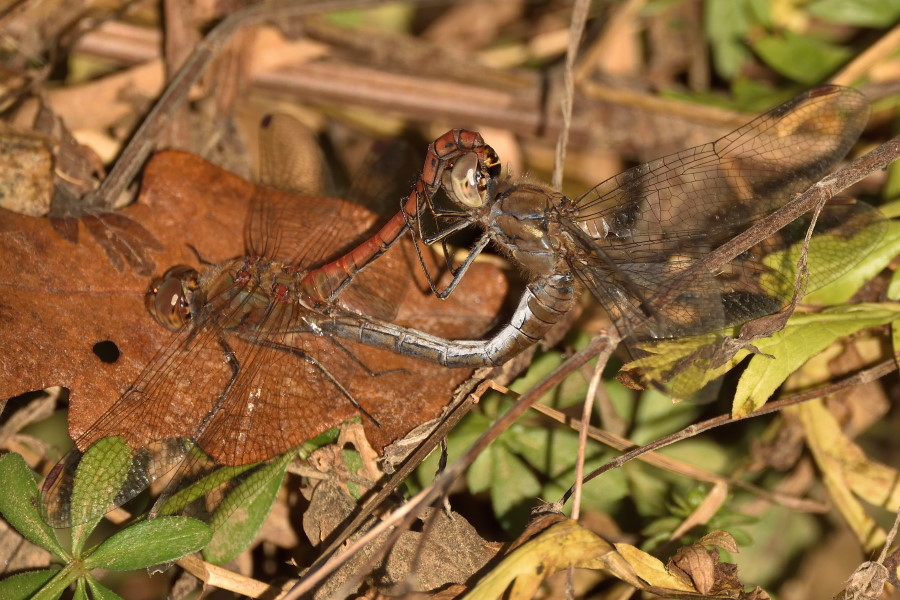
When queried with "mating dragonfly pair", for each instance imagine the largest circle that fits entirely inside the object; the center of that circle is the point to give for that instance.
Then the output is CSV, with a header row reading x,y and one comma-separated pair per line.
x,y
637,241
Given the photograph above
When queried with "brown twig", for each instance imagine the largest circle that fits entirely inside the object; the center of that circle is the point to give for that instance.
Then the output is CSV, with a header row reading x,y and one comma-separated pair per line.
x,y
143,142
370,503
815,196
678,467
576,31
862,65
601,345
879,370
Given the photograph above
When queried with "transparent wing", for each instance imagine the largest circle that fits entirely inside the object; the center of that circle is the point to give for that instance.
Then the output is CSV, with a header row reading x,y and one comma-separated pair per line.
x,y
289,219
668,296
246,381
309,230
704,195
157,416
641,233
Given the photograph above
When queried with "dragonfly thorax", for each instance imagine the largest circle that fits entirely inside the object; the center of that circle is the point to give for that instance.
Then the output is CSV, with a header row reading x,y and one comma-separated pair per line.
x,y
522,225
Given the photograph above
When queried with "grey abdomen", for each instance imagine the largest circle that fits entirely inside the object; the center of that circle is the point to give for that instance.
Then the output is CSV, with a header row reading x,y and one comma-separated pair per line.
x,y
542,305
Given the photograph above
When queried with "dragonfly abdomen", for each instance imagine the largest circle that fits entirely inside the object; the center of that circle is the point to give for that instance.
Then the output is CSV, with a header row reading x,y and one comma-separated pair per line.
x,y
542,305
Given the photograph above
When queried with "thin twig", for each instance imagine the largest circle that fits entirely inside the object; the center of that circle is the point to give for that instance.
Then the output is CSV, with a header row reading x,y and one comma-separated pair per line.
x,y
678,467
879,370
890,538
593,387
143,142
601,345
824,190
862,65
370,503
576,30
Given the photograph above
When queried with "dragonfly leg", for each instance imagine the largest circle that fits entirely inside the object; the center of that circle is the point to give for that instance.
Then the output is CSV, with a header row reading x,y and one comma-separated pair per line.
x,y
480,245
457,272
200,259
235,366
322,369
359,361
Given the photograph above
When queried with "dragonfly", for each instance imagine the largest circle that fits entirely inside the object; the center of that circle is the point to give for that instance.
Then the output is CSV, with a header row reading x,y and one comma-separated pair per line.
x,y
638,240
635,241
250,348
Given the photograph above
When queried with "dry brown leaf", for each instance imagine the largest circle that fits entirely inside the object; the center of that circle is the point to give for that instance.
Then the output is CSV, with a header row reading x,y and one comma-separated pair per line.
x,y
653,571
446,551
62,299
694,571
866,583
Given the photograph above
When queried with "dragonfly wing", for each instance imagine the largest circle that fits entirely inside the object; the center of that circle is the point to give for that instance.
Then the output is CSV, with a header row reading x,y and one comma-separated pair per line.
x,y
289,390
290,157
157,416
723,186
290,220
658,291
645,229
240,393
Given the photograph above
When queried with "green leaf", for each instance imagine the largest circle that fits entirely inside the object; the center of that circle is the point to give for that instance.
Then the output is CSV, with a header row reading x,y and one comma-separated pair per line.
x,y
804,336
801,58
24,585
480,474
891,189
80,590
177,502
685,365
657,415
390,17
891,210
19,504
60,581
459,440
514,486
553,452
149,543
100,475
874,261
241,515
753,96
726,25
100,591
857,13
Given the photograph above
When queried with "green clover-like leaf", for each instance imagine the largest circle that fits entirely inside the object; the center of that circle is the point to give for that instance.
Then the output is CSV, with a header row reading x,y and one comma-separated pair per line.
x,y
241,515
100,475
149,543
19,498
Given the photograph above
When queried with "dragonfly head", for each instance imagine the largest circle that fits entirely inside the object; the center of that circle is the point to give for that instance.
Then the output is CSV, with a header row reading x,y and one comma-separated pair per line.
x,y
471,180
169,297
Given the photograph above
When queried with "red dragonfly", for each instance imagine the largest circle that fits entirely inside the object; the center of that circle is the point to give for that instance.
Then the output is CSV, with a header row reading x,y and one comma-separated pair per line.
x,y
251,369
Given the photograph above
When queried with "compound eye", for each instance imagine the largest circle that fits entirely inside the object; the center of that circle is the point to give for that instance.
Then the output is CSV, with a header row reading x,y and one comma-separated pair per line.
x,y
167,299
466,181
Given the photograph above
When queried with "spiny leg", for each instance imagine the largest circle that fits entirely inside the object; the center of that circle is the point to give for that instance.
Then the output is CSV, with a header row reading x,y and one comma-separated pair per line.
x,y
311,360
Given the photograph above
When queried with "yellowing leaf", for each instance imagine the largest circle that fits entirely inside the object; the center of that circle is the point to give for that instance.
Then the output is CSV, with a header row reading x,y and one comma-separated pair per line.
x,y
848,471
652,570
563,545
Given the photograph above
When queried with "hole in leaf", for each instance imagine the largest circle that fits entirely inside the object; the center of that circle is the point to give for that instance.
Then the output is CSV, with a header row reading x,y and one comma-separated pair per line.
x,y
107,351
